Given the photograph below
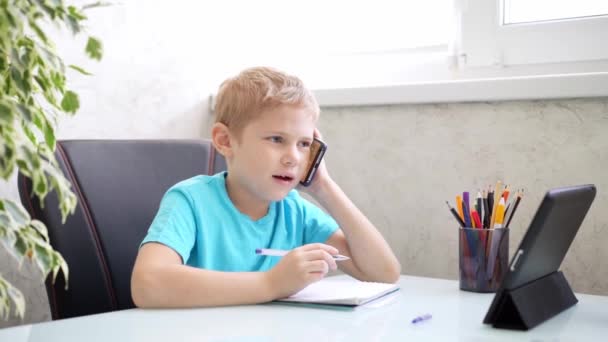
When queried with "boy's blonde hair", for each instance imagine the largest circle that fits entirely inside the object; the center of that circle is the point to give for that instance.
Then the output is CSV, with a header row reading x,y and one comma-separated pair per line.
x,y
242,98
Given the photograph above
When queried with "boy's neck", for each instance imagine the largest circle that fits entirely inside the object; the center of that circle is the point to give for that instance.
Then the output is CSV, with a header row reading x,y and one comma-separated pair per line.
x,y
245,203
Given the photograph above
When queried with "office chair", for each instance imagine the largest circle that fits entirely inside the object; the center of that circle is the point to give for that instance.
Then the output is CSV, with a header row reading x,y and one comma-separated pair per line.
x,y
119,185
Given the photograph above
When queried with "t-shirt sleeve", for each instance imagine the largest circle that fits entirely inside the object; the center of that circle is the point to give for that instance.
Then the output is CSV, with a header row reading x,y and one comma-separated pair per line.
x,y
318,225
174,225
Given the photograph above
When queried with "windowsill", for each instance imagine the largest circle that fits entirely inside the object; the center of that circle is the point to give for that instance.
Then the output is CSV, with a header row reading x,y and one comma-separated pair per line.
x,y
385,80
572,85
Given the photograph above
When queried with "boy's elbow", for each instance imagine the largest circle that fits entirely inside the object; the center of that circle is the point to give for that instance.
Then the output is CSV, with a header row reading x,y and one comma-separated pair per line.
x,y
389,273
394,273
138,297
141,288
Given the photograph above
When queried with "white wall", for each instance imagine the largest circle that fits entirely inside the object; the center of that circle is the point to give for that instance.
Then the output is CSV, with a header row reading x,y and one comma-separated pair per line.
x,y
153,81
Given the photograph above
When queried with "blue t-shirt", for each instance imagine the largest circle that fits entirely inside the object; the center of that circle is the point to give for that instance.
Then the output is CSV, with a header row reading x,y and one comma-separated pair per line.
x,y
198,220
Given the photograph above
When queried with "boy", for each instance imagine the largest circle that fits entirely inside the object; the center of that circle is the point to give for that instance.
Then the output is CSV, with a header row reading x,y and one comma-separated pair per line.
x,y
200,248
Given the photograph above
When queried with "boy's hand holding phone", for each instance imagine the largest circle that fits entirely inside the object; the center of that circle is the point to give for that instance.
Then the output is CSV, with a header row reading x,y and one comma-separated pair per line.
x,y
317,151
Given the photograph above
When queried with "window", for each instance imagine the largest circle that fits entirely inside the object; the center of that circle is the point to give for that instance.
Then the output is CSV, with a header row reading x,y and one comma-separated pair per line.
x,y
518,32
502,50
527,11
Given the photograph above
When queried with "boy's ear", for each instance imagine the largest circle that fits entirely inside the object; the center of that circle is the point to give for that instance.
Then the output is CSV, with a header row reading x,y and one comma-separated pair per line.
x,y
221,139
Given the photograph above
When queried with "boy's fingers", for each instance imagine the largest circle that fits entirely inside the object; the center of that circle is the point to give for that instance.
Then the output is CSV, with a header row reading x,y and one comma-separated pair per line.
x,y
313,246
318,266
316,254
317,134
313,277
322,255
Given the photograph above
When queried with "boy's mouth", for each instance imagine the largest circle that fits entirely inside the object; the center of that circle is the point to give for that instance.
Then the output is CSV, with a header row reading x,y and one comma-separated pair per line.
x,y
285,178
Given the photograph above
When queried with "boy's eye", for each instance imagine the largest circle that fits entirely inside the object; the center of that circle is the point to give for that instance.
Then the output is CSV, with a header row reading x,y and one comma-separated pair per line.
x,y
276,139
305,144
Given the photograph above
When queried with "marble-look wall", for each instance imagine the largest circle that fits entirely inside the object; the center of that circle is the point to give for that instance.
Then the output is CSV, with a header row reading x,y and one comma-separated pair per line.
x,y
401,163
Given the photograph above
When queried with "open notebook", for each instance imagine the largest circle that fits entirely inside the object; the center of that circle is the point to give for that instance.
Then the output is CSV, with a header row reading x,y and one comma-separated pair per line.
x,y
341,291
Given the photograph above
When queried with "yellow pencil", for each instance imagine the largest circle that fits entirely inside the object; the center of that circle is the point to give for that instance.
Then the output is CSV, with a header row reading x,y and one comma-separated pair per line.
x,y
500,214
497,196
459,207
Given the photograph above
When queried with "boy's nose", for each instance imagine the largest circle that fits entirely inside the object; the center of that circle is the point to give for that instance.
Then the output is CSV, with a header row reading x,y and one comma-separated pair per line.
x,y
290,158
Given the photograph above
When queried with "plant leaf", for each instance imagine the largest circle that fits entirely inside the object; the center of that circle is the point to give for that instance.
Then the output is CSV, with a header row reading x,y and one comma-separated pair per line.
x,y
60,264
70,102
25,112
17,212
73,11
96,4
8,291
49,136
20,246
41,229
58,80
29,134
18,79
73,24
79,69
94,48
42,82
50,57
64,269
49,133
6,114
7,157
5,306
18,300
40,185
9,237
44,259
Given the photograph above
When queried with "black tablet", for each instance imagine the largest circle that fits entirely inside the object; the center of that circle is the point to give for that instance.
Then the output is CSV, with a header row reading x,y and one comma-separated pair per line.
x,y
546,242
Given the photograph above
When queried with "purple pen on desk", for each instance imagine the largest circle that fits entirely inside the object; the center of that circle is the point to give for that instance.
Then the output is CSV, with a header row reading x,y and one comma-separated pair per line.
x,y
422,318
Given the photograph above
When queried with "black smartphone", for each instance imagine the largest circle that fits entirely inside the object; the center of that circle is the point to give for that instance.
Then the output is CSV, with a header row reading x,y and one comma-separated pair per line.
x,y
317,150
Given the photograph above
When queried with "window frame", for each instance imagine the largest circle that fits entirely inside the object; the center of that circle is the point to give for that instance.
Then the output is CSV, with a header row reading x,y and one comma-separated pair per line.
x,y
487,63
488,42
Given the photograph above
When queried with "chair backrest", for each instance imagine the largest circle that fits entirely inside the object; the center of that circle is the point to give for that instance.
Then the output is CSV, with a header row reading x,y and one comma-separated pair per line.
x,y
119,184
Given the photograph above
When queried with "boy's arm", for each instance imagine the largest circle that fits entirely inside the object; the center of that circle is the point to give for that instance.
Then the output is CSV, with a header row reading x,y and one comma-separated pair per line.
x,y
160,279
371,257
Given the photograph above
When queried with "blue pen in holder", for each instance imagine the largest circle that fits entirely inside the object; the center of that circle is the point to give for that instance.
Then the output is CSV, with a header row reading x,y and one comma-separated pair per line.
x,y
483,258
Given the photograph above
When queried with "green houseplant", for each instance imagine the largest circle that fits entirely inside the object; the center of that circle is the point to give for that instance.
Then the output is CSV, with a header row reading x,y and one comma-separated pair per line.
x,y
33,96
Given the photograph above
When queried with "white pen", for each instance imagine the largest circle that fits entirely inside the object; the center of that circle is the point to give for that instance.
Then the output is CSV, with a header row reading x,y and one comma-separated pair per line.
x,y
279,252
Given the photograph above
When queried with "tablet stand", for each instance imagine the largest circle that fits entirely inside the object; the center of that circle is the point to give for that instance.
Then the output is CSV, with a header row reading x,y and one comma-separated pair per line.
x,y
529,305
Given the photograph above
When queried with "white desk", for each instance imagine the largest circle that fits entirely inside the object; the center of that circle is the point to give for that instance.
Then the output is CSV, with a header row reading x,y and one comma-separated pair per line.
x,y
457,315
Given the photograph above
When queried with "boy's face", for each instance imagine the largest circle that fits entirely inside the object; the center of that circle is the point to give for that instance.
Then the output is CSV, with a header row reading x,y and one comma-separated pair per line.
x,y
270,157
